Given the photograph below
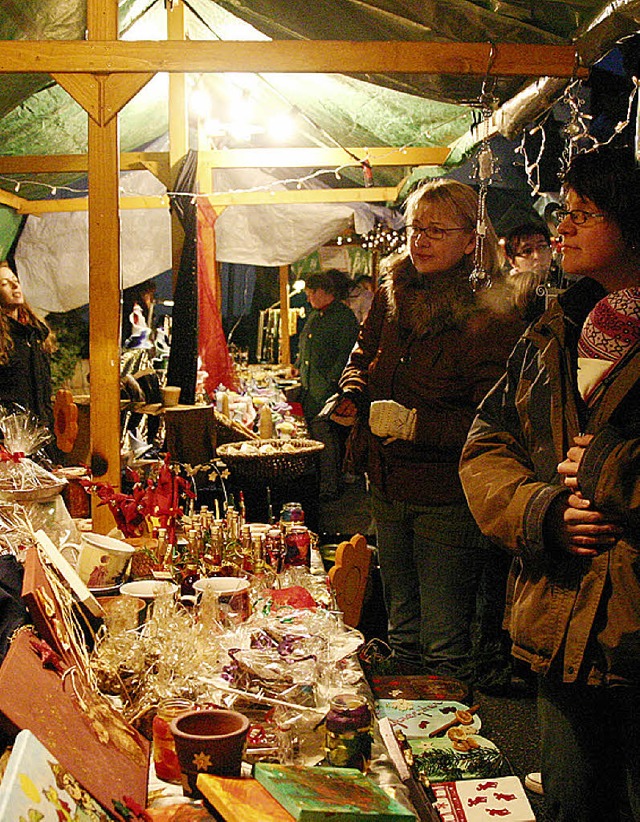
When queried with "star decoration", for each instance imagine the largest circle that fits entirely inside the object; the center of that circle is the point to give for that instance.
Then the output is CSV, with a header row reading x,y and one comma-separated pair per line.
x,y
202,761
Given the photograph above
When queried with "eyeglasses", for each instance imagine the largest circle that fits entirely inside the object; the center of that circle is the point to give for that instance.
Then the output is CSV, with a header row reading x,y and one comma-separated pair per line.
x,y
432,232
577,216
530,250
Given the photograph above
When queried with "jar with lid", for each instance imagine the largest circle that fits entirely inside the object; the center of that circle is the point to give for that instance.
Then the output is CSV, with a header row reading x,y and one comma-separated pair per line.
x,y
292,512
298,545
348,732
165,758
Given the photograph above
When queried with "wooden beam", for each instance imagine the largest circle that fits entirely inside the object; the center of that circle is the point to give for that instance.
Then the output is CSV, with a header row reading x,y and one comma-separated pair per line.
x,y
102,96
104,282
154,161
297,56
284,356
13,201
318,157
158,161
222,199
310,195
178,126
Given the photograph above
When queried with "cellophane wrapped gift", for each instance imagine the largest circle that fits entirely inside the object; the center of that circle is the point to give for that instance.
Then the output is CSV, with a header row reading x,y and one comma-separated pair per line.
x,y
22,479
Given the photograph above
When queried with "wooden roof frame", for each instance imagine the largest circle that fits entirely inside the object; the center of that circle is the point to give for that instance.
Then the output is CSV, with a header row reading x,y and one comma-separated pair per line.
x,y
103,73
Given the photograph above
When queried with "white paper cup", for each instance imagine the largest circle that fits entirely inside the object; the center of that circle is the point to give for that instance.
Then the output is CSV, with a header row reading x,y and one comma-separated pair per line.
x,y
102,562
170,395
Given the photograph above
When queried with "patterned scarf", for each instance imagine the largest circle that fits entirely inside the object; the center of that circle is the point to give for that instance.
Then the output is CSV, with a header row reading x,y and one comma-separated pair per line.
x,y
609,332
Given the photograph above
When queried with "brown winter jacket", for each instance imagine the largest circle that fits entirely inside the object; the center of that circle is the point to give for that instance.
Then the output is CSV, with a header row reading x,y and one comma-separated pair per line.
x,y
581,614
438,352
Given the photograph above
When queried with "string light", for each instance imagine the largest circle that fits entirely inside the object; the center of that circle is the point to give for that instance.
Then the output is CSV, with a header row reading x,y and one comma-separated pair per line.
x,y
381,238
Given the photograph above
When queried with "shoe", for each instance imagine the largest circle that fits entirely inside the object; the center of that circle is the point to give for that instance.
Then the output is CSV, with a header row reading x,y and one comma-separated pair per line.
x,y
533,781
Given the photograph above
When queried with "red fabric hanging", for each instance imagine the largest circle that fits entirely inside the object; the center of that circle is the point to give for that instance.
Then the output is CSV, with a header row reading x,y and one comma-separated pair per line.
x,y
212,342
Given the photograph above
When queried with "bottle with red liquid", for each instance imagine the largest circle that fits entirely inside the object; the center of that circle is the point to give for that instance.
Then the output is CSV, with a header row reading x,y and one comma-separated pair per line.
x,y
165,758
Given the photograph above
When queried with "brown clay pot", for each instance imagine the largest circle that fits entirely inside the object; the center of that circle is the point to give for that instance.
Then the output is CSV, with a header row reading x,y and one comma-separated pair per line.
x,y
209,741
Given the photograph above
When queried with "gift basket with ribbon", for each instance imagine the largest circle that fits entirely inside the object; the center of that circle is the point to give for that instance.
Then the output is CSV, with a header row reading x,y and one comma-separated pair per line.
x,y
22,479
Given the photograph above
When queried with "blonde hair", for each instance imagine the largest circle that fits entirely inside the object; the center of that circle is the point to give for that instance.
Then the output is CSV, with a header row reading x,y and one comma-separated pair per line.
x,y
459,201
26,316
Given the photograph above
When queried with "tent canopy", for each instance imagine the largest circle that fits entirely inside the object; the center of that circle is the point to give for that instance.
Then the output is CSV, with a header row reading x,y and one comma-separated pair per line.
x,y
38,117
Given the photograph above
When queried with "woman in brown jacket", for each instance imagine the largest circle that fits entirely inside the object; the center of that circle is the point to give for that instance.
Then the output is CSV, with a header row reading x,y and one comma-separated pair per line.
x,y
426,355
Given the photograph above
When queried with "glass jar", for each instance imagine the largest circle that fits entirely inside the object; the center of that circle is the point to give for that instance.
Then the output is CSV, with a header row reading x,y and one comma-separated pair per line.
x,y
348,732
292,512
165,758
298,544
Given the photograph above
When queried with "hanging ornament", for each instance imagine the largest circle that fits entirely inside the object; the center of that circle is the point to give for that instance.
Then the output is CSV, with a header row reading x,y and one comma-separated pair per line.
x,y
480,276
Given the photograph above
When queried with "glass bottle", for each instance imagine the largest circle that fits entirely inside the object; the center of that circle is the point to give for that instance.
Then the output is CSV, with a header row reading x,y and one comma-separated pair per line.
x,y
165,759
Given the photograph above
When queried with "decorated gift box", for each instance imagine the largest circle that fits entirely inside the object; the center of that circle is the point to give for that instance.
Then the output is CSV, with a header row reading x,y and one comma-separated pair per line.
x,y
421,718
481,800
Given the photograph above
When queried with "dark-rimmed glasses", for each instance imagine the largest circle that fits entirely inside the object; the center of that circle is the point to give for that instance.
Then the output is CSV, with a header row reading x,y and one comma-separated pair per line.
x,y
432,232
577,216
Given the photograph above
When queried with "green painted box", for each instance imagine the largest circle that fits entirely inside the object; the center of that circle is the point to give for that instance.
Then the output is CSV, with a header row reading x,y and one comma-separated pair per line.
x,y
324,794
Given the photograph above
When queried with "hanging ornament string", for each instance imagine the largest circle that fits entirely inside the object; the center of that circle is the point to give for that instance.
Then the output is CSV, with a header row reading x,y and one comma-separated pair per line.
x,y
578,138
532,167
480,277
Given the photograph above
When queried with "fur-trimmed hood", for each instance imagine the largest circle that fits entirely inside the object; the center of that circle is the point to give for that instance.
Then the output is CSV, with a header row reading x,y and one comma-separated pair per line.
x,y
425,306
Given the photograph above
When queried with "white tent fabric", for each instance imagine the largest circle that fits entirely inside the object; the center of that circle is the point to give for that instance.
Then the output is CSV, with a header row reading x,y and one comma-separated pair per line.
x,y
52,256
275,235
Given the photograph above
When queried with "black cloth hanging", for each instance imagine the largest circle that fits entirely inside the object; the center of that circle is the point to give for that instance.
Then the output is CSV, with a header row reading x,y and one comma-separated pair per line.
x,y
183,358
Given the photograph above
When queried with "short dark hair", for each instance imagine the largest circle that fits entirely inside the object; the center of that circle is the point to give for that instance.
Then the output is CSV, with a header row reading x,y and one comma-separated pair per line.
x,y
524,231
332,281
610,178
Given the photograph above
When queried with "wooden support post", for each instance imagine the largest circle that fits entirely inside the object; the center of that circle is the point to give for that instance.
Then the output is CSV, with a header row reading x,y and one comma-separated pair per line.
x,y
178,127
104,281
285,341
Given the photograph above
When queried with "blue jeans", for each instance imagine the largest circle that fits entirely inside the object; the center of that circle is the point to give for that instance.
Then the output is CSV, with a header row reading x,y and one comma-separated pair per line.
x,y
590,757
431,558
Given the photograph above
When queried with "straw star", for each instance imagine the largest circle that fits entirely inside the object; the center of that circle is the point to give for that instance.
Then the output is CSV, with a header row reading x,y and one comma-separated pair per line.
x,y
202,761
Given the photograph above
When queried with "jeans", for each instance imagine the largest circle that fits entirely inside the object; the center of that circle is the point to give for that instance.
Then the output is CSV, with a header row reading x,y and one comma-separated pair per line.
x,y
431,558
590,755
325,431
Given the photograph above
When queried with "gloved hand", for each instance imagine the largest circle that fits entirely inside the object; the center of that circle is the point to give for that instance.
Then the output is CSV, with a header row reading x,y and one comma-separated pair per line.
x,y
389,419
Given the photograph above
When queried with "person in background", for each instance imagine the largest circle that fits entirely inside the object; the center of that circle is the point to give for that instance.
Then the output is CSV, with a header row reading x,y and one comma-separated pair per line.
x,y
530,257
360,296
551,471
325,344
426,355
138,300
26,345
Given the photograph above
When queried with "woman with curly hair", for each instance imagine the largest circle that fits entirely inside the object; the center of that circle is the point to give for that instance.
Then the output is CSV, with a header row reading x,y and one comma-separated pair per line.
x,y
26,345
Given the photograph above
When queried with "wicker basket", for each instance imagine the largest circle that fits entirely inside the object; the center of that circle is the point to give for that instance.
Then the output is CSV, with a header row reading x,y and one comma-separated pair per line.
x,y
230,431
282,466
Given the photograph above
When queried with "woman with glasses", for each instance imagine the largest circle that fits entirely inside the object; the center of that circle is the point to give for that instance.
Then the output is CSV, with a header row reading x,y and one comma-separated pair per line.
x,y
530,257
551,470
426,354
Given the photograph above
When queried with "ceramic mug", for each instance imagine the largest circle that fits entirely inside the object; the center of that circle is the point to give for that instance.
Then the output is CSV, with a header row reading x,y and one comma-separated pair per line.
x,y
232,593
102,562
209,741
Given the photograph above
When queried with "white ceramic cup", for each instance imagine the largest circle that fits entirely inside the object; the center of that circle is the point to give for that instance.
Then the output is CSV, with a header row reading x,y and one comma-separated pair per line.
x,y
232,592
103,560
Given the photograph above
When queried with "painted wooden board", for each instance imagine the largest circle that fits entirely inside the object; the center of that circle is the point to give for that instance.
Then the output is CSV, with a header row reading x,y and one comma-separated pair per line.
x,y
36,786
323,794
241,800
